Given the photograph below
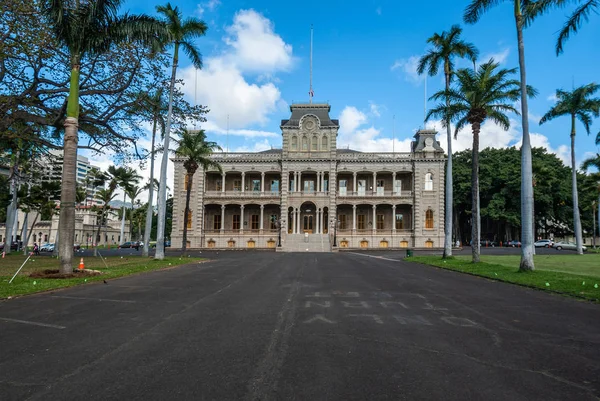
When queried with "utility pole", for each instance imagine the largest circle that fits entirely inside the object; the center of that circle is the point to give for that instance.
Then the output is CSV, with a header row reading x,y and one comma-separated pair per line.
x,y
310,91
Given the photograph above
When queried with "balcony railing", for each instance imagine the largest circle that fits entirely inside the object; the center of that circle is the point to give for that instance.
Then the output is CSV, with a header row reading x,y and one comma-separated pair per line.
x,y
371,194
309,193
240,194
245,231
368,231
373,156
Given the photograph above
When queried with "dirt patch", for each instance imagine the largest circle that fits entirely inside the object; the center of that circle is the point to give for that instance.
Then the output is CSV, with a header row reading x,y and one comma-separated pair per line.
x,y
55,273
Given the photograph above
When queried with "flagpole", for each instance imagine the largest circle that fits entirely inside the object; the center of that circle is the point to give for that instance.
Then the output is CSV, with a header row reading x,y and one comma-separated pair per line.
x,y
425,106
310,92
394,133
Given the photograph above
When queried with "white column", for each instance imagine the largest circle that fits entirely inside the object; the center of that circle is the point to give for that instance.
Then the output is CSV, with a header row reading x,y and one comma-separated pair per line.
x,y
262,182
223,182
318,225
394,187
374,183
322,214
242,219
354,189
354,217
243,181
295,183
394,218
297,226
320,181
300,181
222,217
262,208
374,218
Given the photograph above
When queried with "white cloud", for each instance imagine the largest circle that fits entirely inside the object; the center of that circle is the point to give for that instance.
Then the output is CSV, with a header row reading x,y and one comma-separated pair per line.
x,y
552,98
350,119
541,141
252,47
256,147
499,57
256,46
491,135
409,68
209,5
375,109
211,127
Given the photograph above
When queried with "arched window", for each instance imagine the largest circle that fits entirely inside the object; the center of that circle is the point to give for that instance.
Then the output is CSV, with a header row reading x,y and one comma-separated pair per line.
x,y
324,142
428,182
314,143
304,143
429,219
294,143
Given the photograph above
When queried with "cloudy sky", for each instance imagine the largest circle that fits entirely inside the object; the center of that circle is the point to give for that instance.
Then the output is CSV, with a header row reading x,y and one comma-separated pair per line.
x,y
256,63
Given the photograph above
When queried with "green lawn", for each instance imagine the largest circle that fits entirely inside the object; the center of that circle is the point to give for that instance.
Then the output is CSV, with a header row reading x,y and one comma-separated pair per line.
x,y
574,275
116,266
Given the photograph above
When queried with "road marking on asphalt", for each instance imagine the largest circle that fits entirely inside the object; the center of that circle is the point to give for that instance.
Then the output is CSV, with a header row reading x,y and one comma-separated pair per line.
x,y
376,318
53,326
387,303
94,299
375,257
319,318
325,304
360,304
412,320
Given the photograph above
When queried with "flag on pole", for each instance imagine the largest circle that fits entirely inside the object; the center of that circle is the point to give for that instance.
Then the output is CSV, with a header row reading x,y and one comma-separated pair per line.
x,y
311,93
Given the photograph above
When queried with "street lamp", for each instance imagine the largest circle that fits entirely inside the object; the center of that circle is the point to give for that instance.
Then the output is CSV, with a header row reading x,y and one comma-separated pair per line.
x,y
334,222
279,225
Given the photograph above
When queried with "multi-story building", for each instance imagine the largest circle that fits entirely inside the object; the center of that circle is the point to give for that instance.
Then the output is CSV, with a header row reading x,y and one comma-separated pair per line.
x,y
310,191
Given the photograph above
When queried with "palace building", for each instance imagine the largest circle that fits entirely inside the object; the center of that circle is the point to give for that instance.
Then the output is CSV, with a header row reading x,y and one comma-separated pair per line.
x,y
310,194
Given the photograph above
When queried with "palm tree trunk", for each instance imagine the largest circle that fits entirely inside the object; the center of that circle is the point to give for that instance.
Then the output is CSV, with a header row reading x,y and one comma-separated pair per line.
x,y
526,169
576,218
66,223
24,233
32,229
449,201
186,213
149,211
475,194
162,191
11,211
95,239
121,238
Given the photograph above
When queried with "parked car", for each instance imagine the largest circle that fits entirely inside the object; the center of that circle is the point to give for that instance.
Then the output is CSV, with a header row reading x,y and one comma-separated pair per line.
x,y
543,243
47,248
130,244
13,246
514,244
567,246
152,244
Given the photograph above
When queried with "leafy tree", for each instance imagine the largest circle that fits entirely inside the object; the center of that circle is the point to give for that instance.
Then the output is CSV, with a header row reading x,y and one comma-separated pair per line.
x,y
196,151
105,195
133,192
487,93
579,105
181,34
84,27
447,46
573,23
472,14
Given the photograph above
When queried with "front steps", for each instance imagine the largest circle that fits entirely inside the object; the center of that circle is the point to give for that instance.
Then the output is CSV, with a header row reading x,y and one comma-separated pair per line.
x,y
297,243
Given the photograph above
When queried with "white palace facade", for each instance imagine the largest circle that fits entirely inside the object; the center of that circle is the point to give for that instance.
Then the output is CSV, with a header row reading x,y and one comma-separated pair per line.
x,y
310,195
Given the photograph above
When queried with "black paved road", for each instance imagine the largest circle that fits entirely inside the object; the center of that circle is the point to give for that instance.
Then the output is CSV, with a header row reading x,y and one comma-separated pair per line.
x,y
273,326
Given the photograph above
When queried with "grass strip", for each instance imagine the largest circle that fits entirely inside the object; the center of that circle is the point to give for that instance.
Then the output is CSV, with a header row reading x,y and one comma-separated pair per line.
x,y
575,285
117,267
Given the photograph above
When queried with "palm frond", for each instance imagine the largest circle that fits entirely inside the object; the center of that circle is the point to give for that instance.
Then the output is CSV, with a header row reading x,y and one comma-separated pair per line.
x,y
582,13
193,53
591,162
477,8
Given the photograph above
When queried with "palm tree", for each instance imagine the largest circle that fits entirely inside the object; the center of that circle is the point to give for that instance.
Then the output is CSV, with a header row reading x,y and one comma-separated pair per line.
x,y
586,165
579,105
81,28
126,179
155,105
196,150
487,93
80,195
575,20
182,32
106,195
133,192
447,46
473,13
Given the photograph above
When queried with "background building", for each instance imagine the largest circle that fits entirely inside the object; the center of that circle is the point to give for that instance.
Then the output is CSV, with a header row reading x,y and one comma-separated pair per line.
x,y
314,191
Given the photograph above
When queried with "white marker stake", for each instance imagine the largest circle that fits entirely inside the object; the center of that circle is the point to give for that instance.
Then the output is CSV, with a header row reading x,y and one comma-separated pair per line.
x,y
13,277
102,259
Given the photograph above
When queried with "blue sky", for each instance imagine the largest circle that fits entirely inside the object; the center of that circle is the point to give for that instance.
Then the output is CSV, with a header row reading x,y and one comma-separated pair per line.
x,y
256,56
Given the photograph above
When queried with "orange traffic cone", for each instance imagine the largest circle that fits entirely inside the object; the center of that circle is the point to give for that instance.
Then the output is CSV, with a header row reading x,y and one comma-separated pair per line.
x,y
81,265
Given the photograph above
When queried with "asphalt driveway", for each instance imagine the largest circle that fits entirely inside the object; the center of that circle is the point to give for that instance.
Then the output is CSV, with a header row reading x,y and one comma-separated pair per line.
x,y
273,326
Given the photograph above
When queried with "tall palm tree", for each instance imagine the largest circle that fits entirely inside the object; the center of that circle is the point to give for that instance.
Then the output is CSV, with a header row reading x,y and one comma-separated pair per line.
x,y
579,105
133,192
573,23
126,179
105,195
155,106
488,93
182,33
472,14
84,27
196,150
447,45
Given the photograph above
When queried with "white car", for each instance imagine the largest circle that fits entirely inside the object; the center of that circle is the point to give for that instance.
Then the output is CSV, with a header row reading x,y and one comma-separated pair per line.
x,y
543,243
47,248
567,245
